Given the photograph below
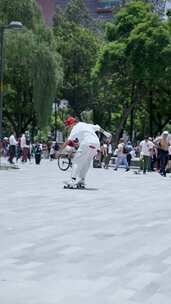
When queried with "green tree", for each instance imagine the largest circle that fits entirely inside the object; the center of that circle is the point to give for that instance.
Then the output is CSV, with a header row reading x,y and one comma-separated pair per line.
x,y
77,12
24,11
78,47
135,61
33,71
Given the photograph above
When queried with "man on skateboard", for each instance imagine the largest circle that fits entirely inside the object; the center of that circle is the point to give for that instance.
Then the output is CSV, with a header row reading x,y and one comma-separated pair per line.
x,y
88,146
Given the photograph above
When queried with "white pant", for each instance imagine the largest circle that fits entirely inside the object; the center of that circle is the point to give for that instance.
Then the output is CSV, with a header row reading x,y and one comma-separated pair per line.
x,y
82,160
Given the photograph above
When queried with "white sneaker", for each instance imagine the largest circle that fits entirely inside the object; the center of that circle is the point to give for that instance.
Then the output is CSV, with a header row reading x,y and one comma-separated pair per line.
x,y
81,182
72,183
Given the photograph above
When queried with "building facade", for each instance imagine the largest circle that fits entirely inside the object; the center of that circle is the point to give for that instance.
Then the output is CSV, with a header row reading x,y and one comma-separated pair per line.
x,y
97,8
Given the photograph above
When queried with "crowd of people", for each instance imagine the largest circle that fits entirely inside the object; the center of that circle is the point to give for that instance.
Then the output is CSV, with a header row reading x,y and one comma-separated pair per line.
x,y
152,154
25,150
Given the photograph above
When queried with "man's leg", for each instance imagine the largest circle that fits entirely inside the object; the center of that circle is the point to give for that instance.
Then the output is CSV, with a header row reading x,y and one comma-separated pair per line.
x,y
24,152
162,162
165,162
76,164
81,164
143,164
129,157
90,153
118,160
105,161
10,154
125,163
28,154
13,152
146,162
78,161
108,157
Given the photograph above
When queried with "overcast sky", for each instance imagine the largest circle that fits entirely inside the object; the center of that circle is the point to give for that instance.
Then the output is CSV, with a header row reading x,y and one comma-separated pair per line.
x,y
168,4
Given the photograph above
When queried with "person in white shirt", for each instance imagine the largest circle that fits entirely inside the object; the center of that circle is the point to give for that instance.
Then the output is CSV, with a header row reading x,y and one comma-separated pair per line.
x,y
12,147
88,146
25,148
146,146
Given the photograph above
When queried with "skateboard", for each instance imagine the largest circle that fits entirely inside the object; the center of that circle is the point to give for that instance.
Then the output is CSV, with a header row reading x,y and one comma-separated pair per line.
x,y
76,186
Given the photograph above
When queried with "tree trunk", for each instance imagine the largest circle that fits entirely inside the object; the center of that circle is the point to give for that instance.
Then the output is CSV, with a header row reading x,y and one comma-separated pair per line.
x,y
159,130
126,112
11,121
131,125
151,112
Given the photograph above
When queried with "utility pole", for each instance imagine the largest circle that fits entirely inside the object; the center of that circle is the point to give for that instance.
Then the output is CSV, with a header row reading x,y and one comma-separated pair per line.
x,y
11,25
1,76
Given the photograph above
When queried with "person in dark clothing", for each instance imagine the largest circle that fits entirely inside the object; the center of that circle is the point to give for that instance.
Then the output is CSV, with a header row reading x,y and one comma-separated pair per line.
x,y
56,147
153,159
28,144
38,153
163,144
129,149
18,150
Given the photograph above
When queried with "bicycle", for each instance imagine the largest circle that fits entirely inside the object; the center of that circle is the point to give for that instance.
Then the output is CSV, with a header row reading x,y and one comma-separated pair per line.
x,y
65,161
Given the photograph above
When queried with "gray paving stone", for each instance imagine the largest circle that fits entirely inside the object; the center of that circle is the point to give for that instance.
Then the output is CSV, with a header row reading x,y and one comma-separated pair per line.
x,y
110,245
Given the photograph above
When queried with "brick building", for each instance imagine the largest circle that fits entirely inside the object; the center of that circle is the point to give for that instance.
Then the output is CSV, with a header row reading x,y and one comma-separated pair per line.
x,y
97,8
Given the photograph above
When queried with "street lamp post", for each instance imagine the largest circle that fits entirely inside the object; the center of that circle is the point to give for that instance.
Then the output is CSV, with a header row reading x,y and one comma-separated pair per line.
x,y
1,78
57,104
11,25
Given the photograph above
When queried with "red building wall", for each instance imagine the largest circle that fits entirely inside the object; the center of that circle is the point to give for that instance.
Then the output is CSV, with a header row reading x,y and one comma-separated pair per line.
x,y
48,9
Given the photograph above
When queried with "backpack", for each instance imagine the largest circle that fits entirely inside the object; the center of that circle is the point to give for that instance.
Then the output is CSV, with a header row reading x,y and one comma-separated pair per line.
x,y
27,141
125,149
38,150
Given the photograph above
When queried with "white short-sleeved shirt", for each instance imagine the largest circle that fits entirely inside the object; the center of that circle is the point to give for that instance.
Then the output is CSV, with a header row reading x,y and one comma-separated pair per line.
x,y
85,133
23,141
145,147
12,140
110,149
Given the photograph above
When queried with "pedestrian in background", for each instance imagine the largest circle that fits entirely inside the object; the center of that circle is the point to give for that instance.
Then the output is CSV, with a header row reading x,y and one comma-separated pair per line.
x,y
5,146
169,161
108,153
129,149
146,146
121,155
12,147
38,153
23,148
163,144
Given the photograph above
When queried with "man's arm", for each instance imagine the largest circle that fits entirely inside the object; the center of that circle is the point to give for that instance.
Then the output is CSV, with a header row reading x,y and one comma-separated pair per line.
x,y
105,133
65,144
157,141
140,146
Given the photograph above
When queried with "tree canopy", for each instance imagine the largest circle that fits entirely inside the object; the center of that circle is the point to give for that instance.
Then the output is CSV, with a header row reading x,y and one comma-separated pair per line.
x,y
118,70
136,61
33,71
78,47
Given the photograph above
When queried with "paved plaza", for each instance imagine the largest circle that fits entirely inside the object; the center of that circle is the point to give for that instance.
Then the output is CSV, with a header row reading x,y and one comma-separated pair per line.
x,y
107,245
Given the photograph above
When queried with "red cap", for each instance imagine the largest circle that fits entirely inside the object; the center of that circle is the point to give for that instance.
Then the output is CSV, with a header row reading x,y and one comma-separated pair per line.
x,y
70,121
